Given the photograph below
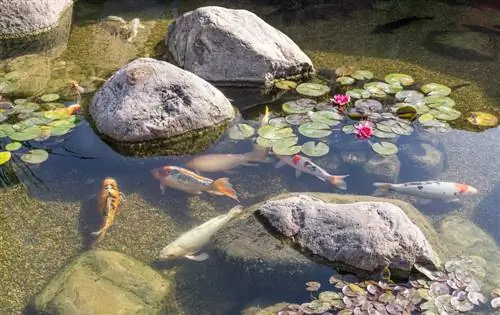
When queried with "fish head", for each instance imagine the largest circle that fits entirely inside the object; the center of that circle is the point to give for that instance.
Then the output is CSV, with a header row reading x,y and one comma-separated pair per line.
x,y
160,172
466,190
471,190
108,181
171,251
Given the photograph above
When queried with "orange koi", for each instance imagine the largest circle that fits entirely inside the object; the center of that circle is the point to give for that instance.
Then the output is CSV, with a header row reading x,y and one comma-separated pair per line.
x,y
108,205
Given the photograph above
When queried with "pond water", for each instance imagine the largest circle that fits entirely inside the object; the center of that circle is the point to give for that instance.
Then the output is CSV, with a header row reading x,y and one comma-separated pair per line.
x,y
45,222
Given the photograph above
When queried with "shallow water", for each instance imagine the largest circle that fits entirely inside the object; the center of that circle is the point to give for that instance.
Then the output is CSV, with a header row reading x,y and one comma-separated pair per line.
x,y
47,223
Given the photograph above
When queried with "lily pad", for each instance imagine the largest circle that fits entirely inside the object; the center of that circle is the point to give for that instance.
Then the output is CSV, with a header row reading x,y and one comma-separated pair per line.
x,y
29,133
399,78
239,131
51,106
5,157
285,84
284,148
300,106
409,96
7,87
358,93
46,132
278,122
3,117
384,135
376,92
402,129
312,149
438,101
407,112
20,101
13,146
26,107
35,156
369,104
312,89
435,89
345,80
49,97
482,119
362,75
445,113
425,117
275,133
387,88
315,130
385,148
56,114
297,119
349,129
326,117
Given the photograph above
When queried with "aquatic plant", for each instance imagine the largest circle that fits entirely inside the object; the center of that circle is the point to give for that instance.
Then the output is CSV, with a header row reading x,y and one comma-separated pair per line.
x,y
364,130
482,119
455,289
341,99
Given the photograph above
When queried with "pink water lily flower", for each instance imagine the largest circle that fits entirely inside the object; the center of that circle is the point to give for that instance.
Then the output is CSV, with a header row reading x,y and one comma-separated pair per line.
x,y
341,99
364,130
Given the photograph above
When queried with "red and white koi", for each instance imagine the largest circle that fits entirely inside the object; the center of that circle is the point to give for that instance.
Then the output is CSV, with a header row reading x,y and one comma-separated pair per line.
x,y
304,164
447,191
188,181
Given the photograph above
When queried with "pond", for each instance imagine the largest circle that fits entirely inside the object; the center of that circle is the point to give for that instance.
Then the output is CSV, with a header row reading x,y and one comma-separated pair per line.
x,y
47,208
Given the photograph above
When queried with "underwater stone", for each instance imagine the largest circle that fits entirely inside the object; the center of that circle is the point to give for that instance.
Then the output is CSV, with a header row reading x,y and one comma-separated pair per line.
x,y
106,282
462,45
216,44
363,235
384,168
425,157
21,18
149,99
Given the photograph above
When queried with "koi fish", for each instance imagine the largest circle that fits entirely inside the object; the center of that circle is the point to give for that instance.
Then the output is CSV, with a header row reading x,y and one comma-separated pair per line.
x,y
446,191
190,243
114,18
185,180
108,205
135,24
391,26
303,164
75,87
264,119
225,162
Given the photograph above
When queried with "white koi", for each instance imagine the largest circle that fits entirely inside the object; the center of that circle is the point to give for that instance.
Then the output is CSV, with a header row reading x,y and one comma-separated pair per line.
x,y
447,191
135,24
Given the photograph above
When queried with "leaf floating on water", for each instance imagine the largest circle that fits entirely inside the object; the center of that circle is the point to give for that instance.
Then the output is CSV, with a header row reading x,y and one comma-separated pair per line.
x,y
445,113
399,78
383,134
329,296
358,93
35,156
27,107
20,101
345,80
387,88
13,146
241,131
409,96
313,286
285,84
29,133
407,112
438,101
275,133
312,89
49,97
349,129
278,122
482,119
385,148
425,117
362,75
3,117
5,157
45,133
7,87
300,106
315,130
297,119
375,92
326,117
435,89
280,148
312,149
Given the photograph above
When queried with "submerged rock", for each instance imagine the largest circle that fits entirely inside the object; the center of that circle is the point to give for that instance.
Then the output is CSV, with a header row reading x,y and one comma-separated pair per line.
x,y
233,47
426,158
384,168
365,235
106,282
149,100
463,45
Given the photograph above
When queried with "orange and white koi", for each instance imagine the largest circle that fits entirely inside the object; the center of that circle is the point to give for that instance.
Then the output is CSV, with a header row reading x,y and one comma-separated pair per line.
x,y
108,205
225,162
304,164
188,181
447,191
75,88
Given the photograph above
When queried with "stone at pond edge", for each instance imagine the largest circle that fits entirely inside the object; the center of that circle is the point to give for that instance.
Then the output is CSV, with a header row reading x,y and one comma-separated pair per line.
x,y
362,235
106,282
384,168
214,43
149,99
425,157
462,45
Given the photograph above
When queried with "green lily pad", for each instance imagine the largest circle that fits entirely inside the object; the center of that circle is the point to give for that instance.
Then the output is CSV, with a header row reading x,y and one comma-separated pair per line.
x,y
312,89
402,129
376,92
406,111
384,135
409,96
326,117
297,119
70,123
278,122
435,89
387,88
425,117
482,119
33,121
362,75
285,84
46,132
358,93
438,101
312,149
315,130
275,133
422,109
51,106
300,106
236,132
285,148
35,156
49,97
345,80
29,133
56,114
7,87
349,129
435,125
3,117
399,78
13,146
385,148
20,101
445,113
27,107
5,157
7,129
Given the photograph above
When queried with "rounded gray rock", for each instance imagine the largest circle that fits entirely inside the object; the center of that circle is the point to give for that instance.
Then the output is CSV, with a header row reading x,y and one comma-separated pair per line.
x,y
22,18
425,157
233,47
149,99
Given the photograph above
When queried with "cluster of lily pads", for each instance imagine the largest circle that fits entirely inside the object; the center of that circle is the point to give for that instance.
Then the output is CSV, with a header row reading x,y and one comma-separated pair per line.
x,y
455,290
35,118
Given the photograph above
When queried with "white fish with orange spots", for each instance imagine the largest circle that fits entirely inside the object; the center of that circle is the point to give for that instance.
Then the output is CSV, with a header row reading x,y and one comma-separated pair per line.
x,y
447,191
188,181
304,164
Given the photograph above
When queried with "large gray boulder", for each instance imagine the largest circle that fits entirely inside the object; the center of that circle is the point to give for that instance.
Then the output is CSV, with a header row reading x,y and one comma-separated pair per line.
x,y
106,283
22,18
233,47
149,99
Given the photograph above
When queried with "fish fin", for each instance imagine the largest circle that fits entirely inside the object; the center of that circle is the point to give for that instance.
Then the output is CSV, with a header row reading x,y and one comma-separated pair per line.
x,y
297,173
321,179
250,164
279,164
199,257
122,197
162,189
223,186
338,180
100,231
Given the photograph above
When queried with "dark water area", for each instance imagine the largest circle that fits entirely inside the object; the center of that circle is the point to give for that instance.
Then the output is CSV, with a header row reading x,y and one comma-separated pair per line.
x,y
333,34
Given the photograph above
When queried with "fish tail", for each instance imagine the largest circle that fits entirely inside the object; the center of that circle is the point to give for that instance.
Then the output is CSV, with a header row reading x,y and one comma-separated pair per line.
x,y
223,186
73,108
382,188
338,180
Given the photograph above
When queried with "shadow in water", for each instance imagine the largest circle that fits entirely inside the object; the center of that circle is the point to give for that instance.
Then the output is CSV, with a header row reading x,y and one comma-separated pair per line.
x,y
487,214
89,220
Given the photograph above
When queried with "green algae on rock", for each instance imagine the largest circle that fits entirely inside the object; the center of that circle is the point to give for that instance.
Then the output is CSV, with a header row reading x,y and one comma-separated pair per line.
x,y
107,282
